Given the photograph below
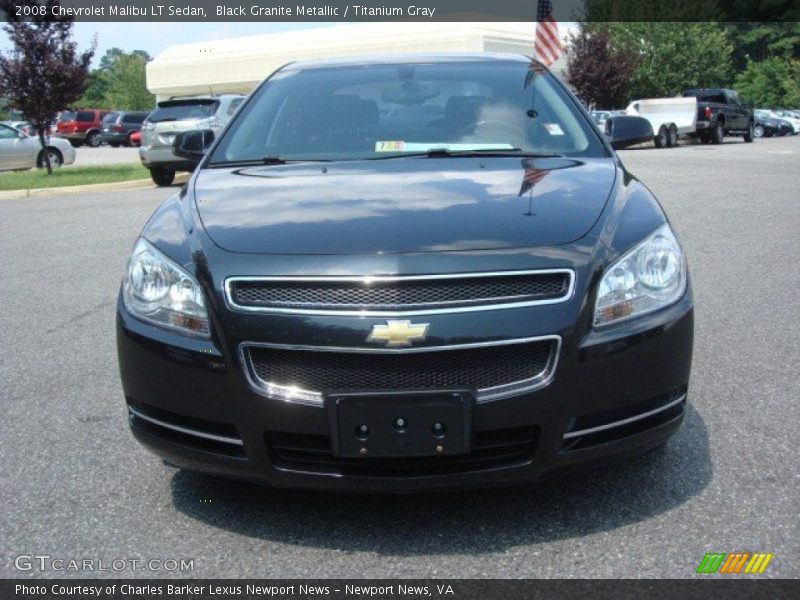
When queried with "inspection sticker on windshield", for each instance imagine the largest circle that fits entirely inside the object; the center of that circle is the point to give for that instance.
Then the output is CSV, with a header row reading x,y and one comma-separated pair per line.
x,y
554,129
400,146
389,146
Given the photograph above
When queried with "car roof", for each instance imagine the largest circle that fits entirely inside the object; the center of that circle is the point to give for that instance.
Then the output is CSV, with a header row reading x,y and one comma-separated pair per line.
x,y
412,58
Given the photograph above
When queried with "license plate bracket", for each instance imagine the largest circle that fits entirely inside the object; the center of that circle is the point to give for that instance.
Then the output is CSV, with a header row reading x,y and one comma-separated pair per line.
x,y
409,424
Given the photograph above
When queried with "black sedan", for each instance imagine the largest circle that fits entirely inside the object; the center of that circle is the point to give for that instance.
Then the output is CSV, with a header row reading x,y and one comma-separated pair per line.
x,y
406,274
767,125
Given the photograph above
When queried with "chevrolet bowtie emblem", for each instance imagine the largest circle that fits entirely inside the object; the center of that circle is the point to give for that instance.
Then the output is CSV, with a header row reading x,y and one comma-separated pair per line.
x,y
398,334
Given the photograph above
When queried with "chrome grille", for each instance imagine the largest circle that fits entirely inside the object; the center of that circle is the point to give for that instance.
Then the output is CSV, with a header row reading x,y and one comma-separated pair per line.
x,y
399,295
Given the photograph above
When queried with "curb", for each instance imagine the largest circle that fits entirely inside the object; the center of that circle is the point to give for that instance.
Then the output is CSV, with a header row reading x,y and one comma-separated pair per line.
x,y
76,189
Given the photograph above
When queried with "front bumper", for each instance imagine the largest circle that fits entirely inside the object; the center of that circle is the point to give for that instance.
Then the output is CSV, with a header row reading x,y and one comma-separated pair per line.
x,y
616,392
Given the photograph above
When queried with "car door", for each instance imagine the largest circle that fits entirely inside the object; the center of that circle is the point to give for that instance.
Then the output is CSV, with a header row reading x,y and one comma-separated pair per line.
x,y
13,149
738,109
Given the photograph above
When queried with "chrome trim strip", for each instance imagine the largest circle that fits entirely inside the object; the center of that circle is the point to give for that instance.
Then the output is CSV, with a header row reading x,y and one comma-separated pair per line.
x,y
200,434
367,279
313,398
650,413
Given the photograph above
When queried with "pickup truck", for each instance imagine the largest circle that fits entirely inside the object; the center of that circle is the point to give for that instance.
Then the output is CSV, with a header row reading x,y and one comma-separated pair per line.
x,y
721,112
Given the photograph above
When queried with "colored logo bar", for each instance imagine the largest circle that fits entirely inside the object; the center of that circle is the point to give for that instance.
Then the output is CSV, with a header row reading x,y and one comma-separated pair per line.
x,y
734,563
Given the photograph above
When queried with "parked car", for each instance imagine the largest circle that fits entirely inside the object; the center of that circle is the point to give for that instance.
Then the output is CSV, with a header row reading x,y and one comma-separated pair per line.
x,y
351,295
20,151
721,112
600,117
136,138
766,126
786,126
24,126
81,127
787,115
173,116
117,127
669,117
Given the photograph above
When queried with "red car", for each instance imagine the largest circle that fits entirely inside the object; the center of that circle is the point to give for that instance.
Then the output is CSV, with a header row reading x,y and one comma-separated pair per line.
x,y
82,126
136,138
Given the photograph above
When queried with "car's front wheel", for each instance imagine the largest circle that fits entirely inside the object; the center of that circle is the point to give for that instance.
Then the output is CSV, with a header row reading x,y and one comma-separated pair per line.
x,y
750,134
56,160
758,131
162,177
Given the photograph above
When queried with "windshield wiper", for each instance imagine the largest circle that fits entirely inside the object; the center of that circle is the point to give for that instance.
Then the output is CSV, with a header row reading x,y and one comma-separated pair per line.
x,y
266,160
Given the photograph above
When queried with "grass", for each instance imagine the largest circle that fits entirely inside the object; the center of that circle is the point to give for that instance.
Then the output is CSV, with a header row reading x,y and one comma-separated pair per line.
x,y
68,176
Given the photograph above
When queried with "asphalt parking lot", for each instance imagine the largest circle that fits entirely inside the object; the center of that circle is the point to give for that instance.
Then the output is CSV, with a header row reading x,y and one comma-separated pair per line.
x,y
74,483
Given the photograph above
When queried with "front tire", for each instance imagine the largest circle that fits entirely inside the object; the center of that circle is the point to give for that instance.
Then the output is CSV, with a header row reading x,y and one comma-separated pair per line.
x,y
76,143
56,160
748,137
758,131
162,177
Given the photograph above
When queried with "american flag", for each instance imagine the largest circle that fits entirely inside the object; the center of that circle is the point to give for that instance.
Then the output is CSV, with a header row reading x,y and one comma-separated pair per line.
x,y
547,46
531,177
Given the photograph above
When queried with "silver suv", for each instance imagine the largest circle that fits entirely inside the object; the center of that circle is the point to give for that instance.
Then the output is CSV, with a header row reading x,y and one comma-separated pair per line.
x,y
174,116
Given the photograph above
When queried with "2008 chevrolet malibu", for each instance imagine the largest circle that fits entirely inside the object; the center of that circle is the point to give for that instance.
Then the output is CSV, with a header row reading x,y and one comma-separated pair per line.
x,y
406,273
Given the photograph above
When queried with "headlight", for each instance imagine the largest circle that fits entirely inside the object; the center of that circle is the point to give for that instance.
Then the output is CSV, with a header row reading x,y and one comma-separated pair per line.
x,y
650,276
158,290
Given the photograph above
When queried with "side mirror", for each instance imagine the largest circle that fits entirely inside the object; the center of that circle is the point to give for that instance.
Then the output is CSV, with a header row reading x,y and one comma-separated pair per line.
x,y
192,145
623,131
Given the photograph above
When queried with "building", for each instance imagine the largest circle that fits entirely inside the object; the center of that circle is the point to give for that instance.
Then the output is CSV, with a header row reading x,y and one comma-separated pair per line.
x,y
239,64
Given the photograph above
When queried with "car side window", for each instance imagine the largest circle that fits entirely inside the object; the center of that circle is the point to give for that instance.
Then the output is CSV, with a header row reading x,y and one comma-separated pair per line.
x,y
6,133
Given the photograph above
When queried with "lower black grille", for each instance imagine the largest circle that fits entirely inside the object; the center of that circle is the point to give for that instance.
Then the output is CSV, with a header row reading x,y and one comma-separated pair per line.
x,y
399,294
476,368
490,450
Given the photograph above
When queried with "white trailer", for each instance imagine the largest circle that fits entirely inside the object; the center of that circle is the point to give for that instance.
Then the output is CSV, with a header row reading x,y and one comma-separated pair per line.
x,y
670,117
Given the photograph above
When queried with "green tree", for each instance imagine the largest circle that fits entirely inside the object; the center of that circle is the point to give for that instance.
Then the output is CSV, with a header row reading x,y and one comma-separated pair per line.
x,y
95,94
671,57
774,82
126,83
759,41
119,82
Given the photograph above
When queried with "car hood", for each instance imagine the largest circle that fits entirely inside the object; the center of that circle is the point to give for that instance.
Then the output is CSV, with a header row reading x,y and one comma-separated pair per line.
x,y
402,205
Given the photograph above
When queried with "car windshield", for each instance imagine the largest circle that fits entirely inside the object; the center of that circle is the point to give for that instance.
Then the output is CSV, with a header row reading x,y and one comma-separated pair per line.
x,y
179,110
392,110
